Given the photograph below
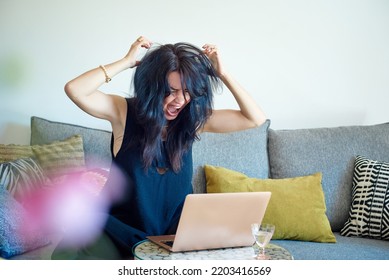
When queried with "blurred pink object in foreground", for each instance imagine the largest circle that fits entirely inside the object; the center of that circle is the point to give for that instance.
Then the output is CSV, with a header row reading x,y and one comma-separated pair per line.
x,y
75,204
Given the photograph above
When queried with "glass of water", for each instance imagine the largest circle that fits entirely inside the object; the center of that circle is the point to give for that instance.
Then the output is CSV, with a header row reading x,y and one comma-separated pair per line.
x,y
262,234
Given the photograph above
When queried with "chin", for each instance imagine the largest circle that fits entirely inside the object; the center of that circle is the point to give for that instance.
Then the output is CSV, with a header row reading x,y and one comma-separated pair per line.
x,y
170,118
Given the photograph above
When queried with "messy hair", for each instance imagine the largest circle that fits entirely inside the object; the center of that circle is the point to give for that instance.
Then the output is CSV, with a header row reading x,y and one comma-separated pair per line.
x,y
151,86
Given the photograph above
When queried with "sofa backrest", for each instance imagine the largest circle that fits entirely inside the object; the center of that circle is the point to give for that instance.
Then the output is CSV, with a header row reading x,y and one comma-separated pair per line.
x,y
260,152
332,151
243,151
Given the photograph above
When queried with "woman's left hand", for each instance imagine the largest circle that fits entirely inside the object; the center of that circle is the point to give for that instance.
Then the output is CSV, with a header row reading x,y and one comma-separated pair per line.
x,y
141,42
213,54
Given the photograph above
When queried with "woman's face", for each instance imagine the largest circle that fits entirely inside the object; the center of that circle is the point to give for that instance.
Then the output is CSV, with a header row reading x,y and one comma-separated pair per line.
x,y
177,99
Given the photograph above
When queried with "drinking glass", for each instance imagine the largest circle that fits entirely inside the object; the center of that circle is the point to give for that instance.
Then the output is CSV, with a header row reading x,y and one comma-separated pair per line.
x,y
262,234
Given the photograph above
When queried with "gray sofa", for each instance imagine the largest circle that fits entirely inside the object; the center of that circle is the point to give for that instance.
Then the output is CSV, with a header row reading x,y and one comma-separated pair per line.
x,y
266,153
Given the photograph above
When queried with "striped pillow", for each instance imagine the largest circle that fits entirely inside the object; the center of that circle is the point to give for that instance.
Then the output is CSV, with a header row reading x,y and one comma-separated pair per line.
x,y
21,177
55,158
369,211
12,152
61,157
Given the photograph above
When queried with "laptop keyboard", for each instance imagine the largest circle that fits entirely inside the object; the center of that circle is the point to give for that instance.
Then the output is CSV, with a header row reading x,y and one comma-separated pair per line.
x,y
168,242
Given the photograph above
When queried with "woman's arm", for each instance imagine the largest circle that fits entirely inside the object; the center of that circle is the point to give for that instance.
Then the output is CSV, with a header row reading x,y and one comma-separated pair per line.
x,y
250,114
83,90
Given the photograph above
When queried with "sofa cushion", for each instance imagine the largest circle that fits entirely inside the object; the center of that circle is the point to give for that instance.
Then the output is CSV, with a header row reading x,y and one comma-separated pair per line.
x,y
93,179
96,142
22,176
330,151
369,211
296,206
55,158
17,233
61,157
244,151
12,152
345,248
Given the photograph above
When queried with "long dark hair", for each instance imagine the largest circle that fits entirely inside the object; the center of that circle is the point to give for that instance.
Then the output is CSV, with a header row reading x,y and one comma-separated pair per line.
x,y
151,86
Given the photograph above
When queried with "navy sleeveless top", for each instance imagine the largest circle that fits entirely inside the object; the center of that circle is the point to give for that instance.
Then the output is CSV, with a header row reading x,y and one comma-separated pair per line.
x,y
152,202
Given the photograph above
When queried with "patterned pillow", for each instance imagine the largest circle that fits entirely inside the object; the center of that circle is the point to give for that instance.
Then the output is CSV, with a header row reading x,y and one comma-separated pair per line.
x,y
12,152
17,233
22,176
56,158
61,157
369,212
93,179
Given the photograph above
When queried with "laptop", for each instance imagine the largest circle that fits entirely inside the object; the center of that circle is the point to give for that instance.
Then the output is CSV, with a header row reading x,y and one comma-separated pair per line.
x,y
216,220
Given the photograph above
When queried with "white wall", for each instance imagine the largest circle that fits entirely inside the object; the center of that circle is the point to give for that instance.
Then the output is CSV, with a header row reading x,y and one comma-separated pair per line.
x,y
307,63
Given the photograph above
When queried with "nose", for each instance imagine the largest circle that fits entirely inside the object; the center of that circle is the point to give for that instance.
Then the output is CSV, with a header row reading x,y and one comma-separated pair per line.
x,y
179,97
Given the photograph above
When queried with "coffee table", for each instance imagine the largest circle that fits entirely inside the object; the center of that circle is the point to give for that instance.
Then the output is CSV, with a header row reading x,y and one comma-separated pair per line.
x,y
147,250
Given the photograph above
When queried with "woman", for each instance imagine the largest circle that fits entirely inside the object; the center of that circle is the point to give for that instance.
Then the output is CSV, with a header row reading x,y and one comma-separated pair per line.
x,y
153,132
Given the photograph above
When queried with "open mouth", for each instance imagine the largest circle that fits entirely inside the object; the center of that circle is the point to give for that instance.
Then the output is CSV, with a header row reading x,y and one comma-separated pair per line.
x,y
173,110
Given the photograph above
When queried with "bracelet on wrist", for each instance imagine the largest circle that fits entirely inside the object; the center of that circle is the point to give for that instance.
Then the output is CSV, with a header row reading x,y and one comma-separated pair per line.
x,y
107,78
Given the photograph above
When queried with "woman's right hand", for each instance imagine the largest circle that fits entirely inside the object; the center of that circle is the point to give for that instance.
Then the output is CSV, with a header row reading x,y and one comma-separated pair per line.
x,y
141,42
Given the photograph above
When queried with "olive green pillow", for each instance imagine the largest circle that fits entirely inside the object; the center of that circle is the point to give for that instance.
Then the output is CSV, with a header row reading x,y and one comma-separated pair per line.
x,y
297,205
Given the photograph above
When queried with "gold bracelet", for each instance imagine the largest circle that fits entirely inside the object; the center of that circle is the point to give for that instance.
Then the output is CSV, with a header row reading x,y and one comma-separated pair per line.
x,y
107,78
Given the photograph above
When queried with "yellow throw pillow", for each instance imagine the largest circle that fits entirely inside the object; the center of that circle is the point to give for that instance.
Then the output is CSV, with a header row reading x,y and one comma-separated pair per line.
x,y
297,205
13,152
55,158
61,157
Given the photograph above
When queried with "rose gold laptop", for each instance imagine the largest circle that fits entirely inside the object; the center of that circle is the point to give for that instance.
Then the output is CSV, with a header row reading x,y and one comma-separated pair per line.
x,y
216,220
